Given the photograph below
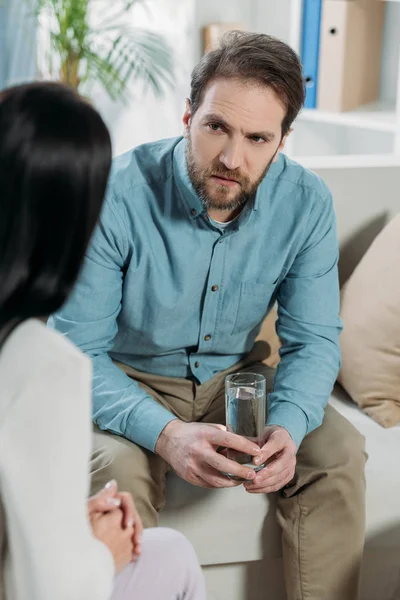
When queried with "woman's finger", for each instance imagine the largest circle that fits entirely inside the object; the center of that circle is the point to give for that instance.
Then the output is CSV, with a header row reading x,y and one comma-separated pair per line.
x,y
133,520
128,508
105,500
137,535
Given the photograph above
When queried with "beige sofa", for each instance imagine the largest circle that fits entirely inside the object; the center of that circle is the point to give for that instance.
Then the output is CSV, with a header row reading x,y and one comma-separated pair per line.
x,y
236,535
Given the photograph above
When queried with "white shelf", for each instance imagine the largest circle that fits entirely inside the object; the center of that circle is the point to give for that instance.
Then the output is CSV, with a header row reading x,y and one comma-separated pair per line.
x,y
351,161
381,116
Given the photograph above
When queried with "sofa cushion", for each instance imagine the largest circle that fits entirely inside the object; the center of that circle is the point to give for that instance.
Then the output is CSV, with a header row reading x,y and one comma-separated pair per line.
x,y
370,341
224,525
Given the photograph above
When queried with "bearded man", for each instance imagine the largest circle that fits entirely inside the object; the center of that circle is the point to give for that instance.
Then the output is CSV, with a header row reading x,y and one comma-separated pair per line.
x,y
199,237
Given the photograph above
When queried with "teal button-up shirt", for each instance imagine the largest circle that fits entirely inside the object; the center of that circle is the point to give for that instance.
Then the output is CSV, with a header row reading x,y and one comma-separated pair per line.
x,y
167,292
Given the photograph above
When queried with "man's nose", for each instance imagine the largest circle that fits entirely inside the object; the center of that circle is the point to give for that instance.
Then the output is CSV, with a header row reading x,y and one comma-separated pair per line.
x,y
232,155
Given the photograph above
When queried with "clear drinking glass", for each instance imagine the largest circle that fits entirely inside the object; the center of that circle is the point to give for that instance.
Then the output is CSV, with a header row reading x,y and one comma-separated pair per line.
x,y
245,405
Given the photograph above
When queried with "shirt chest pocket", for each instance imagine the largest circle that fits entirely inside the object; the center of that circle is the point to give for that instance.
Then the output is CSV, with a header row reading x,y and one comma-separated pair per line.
x,y
254,300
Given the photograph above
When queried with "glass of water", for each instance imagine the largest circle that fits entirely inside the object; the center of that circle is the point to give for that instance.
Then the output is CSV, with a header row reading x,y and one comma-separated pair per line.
x,y
245,405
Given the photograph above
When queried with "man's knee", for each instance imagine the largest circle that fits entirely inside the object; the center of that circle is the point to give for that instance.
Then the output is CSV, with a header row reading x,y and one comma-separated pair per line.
x,y
113,457
335,447
351,451
135,469
99,466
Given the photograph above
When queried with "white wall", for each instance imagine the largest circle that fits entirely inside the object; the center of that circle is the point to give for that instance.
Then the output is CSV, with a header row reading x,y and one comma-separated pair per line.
x,y
272,18
221,11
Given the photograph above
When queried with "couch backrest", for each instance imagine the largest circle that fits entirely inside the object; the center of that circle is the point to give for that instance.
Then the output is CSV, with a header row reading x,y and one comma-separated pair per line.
x,y
365,199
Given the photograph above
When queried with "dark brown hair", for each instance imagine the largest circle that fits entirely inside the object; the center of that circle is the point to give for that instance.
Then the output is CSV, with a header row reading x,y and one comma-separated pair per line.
x,y
257,58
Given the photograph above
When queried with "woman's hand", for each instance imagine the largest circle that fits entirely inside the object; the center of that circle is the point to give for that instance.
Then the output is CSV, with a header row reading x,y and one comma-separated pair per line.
x,y
108,528
109,499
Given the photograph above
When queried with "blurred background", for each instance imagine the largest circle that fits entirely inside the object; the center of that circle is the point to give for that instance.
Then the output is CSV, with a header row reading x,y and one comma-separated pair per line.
x,y
133,59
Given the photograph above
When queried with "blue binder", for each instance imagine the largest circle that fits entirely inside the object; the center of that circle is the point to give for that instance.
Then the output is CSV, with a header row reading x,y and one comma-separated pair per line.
x,y
311,31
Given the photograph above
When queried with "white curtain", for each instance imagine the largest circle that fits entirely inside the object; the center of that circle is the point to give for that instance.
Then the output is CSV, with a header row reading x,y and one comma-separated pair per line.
x,y
17,42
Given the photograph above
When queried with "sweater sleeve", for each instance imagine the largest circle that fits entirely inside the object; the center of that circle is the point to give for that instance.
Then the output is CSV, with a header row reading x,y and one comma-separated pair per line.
x,y
44,452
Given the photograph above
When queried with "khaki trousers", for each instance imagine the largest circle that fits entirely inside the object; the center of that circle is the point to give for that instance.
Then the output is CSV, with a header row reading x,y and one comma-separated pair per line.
x,y
321,512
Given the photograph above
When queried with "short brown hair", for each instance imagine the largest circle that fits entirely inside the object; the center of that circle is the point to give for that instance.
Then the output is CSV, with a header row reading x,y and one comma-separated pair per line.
x,y
253,57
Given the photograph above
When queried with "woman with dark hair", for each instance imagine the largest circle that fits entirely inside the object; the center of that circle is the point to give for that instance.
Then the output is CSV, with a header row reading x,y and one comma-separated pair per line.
x,y
55,156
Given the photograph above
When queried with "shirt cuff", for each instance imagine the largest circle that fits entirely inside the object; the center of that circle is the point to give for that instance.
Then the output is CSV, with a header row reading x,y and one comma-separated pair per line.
x,y
290,417
146,430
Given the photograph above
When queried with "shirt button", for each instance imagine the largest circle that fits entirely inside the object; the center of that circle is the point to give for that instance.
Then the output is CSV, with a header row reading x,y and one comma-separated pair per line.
x,y
194,212
214,288
207,338
197,364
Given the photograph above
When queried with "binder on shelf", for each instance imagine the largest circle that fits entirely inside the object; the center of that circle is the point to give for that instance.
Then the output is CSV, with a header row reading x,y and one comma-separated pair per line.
x,y
310,44
350,54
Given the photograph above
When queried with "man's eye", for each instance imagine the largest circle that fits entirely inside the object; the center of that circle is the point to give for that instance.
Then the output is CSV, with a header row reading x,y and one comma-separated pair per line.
x,y
214,127
258,139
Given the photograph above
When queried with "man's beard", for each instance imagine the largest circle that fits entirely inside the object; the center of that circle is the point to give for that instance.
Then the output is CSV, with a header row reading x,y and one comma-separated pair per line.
x,y
219,200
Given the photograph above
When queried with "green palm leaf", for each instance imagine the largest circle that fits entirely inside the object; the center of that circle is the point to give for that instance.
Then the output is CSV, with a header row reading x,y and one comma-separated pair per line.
x,y
110,52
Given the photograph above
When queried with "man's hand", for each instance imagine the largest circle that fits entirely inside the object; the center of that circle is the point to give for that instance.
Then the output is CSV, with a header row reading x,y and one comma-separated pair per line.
x,y
109,499
280,470
190,449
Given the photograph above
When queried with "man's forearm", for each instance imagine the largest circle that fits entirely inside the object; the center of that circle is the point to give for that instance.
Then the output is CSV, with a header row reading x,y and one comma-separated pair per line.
x,y
121,406
303,383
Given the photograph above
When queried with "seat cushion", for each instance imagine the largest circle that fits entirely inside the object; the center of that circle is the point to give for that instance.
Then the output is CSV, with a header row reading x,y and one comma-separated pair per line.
x,y
382,472
224,525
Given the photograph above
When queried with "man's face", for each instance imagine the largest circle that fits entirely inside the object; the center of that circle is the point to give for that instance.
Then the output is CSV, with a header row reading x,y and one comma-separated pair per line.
x,y
232,140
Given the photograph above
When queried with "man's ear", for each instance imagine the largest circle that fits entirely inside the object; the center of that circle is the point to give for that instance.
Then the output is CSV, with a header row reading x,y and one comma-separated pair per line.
x,y
282,145
187,115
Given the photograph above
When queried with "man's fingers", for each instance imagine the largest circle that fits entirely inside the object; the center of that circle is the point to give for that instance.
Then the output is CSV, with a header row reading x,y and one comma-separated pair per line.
x,y
217,426
275,444
235,442
224,465
283,461
215,480
200,482
275,482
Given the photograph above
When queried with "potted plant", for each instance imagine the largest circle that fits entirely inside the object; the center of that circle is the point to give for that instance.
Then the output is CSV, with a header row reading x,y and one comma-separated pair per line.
x,y
91,41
